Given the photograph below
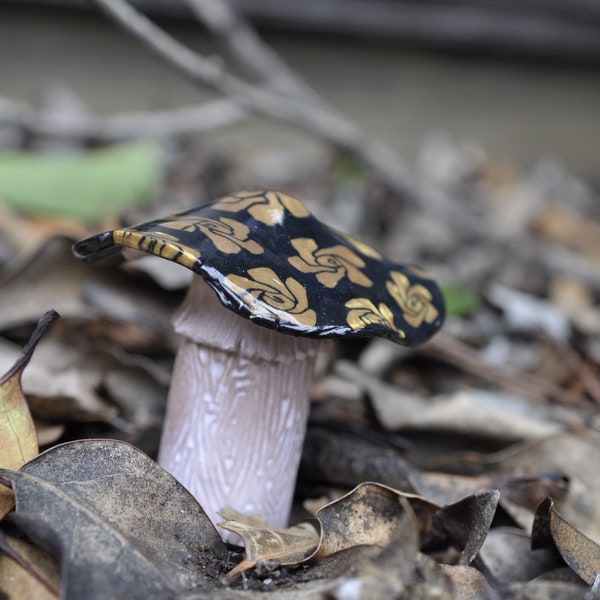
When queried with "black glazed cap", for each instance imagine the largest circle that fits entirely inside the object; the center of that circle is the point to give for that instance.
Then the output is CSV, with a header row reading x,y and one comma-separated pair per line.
x,y
270,261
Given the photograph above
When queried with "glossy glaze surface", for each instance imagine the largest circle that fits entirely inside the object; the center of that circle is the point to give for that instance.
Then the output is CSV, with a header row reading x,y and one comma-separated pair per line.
x,y
271,261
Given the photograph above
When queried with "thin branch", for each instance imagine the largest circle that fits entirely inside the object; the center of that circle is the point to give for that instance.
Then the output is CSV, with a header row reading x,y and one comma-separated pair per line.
x,y
463,356
250,51
330,126
586,375
163,123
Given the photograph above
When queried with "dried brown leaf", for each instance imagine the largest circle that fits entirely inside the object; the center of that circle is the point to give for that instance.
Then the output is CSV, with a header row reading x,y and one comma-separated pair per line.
x,y
563,225
109,296
468,582
577,459
273,547
124,526
479,413
507,554
344,457
371,520
466,523
580,552
363,572
520,494
18,438
368,515
26,571
392,571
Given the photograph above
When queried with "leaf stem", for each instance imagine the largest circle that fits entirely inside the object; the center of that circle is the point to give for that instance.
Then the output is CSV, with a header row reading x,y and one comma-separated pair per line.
x,y
46,320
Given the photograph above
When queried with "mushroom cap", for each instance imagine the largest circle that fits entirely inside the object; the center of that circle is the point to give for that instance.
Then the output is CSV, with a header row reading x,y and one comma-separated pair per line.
x,y
271,261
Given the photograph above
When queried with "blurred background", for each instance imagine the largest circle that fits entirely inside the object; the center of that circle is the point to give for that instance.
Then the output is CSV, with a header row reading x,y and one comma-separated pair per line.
x,y
459,135
519,79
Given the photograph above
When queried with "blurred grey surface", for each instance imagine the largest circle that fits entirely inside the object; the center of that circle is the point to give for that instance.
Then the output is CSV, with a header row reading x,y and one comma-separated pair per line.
x,y
404,87
568,30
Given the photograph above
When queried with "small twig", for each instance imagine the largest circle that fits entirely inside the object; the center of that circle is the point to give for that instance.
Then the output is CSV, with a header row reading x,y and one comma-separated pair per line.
x,y
250,51
327,124
210,73
585,374
162,123
293,103
463,356
40,329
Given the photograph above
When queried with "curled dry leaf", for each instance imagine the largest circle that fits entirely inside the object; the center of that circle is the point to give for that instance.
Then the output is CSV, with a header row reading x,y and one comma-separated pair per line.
x,y
558,460
279,547
371,516
580,552
390,571
18,439
466,523
368,515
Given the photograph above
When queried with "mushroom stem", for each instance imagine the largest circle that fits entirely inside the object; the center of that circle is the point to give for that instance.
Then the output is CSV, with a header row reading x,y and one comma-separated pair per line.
x,y
237,410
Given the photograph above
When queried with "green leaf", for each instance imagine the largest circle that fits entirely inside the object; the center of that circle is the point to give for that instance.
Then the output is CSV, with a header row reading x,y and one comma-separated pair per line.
x,y
459,301
87,185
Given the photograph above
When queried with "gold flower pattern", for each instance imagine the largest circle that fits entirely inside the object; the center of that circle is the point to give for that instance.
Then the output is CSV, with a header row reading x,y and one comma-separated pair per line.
x,y
159,243
280,264
227,235
363,312
328,264
361,246
267,207
415,301
286,300
419,272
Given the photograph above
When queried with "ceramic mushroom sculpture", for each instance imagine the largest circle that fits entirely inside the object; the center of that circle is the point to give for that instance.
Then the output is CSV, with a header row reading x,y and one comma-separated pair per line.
x,y
272,282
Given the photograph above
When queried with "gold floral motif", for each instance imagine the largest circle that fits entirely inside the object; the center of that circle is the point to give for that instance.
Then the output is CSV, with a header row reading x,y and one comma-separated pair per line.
x,y
414,300
267,207
363,312
228,235
159,243
361,246
285,300
328,264
419,272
